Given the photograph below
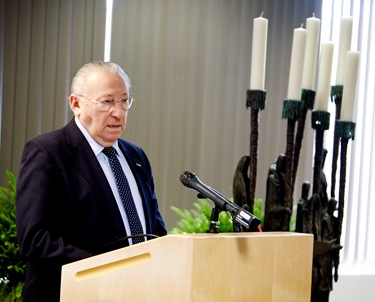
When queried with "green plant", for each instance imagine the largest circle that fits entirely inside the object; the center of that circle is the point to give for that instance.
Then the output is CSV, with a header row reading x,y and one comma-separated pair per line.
x,y
12,267
197,220
258,209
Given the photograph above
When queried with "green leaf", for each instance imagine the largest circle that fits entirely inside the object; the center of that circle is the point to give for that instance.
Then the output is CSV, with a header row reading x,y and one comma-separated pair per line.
x,y
12,267
197,220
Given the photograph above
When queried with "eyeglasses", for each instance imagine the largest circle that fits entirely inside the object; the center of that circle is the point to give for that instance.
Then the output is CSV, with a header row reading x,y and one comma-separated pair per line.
x,y
108,104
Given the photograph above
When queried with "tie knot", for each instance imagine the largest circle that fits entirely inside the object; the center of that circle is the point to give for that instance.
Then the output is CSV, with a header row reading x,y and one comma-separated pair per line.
x,y
110,152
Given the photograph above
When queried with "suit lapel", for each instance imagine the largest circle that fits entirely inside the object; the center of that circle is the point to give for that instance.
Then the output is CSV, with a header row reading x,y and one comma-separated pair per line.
x,y
135,164
86,162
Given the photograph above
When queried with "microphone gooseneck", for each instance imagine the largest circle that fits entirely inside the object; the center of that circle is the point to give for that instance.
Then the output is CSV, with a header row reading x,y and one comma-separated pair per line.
x,y
239,214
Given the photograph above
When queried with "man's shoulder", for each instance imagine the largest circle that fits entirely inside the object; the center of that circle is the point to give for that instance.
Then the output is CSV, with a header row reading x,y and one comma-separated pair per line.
x,y
130,147
49,137
57,137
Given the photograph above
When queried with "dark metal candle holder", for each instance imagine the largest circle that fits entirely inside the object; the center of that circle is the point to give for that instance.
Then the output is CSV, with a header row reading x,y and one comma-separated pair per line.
x,y
308,99
319,122
256,99
336,96
291,111
344,130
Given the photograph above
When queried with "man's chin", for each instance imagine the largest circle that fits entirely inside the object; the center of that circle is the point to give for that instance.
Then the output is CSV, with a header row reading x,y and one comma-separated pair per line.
x,y
110,140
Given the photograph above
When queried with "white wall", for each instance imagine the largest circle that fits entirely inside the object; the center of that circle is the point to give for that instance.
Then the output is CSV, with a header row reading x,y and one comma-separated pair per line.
x,y
359,288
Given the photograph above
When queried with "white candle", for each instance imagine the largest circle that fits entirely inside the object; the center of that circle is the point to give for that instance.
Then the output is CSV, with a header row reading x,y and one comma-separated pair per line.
x,y
296,64
324,77
346,25
350,85
311,53
259,50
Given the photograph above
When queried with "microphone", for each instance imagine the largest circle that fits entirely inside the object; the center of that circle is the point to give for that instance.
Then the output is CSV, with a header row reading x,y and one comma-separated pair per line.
x,y
239,214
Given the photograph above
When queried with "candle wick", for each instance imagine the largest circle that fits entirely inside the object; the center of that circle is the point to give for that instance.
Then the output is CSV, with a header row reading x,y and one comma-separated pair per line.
x,y
313,15
261,15
301,24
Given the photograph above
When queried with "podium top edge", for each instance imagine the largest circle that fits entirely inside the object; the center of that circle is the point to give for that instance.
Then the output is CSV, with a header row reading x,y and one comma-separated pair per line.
x,y
240,235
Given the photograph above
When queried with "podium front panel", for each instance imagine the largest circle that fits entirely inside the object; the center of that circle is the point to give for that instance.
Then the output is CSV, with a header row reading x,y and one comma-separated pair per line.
x,y
201,267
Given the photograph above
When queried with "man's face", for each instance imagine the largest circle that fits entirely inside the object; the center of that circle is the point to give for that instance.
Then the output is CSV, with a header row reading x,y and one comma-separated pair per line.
x,y
104,126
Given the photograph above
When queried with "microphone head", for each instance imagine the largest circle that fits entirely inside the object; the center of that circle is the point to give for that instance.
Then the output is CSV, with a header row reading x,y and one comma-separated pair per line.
x,y
186,177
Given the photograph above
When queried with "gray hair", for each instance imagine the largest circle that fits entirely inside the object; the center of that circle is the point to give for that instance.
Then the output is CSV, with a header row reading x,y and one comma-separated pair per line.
x,y
78,82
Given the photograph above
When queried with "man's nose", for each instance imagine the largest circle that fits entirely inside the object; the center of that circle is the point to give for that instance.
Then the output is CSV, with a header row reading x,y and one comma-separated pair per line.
x,y
116,109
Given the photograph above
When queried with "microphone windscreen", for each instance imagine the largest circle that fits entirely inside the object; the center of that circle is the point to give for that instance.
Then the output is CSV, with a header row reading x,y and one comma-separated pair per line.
x,y
185,177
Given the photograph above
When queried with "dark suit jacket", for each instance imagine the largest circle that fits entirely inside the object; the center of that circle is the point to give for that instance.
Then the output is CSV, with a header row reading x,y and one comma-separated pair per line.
x,y
65,209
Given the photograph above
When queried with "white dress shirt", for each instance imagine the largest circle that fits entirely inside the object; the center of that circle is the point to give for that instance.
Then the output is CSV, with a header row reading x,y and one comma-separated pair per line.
x,y
104,163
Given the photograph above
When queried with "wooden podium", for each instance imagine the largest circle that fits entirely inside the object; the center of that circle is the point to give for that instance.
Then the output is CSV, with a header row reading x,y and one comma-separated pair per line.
x,y
202,267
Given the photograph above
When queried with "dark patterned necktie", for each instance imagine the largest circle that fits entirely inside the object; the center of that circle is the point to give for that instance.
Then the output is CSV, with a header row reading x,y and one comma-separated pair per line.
x,y
125,194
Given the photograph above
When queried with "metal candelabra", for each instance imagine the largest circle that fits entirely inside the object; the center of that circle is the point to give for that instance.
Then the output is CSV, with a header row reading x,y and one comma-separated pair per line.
x,y
336,96
291,111
307,98
344,130
319,122
256,100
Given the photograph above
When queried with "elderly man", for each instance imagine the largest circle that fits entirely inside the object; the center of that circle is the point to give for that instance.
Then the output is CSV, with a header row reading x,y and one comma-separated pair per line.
x,y
81,189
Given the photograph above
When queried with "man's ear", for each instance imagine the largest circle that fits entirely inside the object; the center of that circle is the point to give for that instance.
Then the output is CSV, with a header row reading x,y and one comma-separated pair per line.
x,y
74,103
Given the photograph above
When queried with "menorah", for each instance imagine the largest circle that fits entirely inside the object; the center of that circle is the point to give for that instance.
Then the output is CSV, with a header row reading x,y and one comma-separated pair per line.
x,y
315,214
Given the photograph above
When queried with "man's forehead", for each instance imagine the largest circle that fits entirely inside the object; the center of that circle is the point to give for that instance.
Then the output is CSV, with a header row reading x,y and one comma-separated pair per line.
x,y
102,79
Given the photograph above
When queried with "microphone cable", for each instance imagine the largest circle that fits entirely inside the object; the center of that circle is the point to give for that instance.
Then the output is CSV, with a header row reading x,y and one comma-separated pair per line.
x,y
121,240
